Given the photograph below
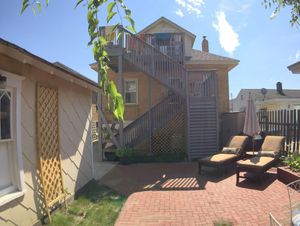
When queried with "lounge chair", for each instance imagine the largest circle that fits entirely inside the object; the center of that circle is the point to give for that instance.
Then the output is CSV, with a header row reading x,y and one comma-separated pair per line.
x,y
231,153
266,158
274,221
294,198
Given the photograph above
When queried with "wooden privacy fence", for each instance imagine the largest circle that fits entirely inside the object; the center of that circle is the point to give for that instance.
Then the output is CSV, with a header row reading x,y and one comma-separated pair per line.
x,y
284,123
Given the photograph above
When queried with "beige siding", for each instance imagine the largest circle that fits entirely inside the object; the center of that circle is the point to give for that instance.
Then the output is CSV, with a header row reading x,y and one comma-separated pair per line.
x,y
158,93
164,27
75,140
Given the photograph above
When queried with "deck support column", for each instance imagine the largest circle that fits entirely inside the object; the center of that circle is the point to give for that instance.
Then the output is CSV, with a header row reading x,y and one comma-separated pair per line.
x,y
99,106
120,88
149,110
187,112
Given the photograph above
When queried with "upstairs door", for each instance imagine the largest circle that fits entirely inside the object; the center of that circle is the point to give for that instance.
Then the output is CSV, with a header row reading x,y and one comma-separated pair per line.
x,y
170,44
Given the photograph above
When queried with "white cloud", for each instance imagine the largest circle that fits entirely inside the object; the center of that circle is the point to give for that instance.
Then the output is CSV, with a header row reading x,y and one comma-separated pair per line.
x,y
190,6
228,38
297,56
179,13
236,5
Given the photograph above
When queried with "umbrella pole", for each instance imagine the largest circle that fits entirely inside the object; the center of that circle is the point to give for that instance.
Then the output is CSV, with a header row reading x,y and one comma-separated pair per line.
x,y
253,145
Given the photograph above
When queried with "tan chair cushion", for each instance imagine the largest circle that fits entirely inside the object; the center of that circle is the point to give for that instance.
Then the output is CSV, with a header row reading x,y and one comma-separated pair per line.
x,y
273,143
273,154
229,150
237,142
219,157
255,162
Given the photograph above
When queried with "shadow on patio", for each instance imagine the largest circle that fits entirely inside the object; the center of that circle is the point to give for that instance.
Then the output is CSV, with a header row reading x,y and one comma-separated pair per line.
x,y
169,176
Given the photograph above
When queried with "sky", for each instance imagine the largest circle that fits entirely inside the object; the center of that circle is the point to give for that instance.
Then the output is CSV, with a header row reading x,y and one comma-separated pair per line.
x,y
241,29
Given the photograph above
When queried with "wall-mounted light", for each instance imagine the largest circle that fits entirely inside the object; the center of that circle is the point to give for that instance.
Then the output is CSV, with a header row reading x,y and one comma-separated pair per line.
x,y
3,82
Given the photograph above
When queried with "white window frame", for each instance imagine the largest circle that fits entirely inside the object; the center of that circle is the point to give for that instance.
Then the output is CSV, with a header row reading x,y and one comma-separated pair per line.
x,y
14,84
11,111
137,90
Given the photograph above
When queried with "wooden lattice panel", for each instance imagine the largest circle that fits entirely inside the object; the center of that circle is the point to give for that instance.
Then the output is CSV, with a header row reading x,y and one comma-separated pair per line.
x,y
171,138
48,145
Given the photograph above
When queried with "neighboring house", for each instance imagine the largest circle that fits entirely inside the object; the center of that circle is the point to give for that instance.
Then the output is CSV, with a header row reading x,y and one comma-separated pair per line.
x,y
45,113
295,68
267,99
174,94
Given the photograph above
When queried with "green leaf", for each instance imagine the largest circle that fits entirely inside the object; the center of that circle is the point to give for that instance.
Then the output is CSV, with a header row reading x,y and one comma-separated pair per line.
x,y
33,10
131,21
78,3
115,27
24,5
110,16
111,6
130,28
112,89
119,108
102,40
128,12
39,6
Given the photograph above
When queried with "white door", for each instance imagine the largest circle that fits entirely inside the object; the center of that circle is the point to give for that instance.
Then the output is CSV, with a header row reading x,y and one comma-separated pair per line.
x,y
6,143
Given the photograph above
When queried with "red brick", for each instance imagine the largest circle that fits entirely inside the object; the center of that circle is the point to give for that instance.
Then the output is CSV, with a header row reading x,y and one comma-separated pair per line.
x,y
208,200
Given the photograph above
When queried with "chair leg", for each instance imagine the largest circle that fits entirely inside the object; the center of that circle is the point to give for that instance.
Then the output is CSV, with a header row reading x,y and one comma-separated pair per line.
x,y
199,168
220,173
260,178
221,170
237,175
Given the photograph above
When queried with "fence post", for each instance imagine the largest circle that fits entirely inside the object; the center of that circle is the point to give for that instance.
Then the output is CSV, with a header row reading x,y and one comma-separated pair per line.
x,y
267,122
298,132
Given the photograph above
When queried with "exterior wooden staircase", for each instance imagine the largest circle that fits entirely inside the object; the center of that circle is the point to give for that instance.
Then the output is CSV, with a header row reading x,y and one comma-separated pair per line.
x,y
196,99
142,128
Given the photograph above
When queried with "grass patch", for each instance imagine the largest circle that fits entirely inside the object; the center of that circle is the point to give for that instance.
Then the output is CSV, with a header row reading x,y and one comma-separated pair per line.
x,y
96,205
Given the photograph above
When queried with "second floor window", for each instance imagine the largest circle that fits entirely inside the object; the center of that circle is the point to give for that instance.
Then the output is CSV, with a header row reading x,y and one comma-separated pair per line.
x,y
131,91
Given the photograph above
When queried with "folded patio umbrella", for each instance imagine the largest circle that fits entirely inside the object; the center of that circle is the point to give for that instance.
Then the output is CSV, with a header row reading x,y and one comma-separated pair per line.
x,y
251,126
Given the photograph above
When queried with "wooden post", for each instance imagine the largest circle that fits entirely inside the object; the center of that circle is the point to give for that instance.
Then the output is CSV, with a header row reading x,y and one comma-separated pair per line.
x,y
267,122
298,131
149,110
187,130
120,88
294,130
216,92
99,106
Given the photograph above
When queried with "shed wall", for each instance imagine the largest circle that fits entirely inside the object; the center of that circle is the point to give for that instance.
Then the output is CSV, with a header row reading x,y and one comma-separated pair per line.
x,y
75,140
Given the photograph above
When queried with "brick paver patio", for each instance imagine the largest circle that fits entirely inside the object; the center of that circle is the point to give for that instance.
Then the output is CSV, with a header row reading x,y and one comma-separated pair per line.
x,y
173,194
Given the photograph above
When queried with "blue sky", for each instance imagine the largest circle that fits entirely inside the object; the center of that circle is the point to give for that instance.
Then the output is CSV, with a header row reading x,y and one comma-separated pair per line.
x,y
241,29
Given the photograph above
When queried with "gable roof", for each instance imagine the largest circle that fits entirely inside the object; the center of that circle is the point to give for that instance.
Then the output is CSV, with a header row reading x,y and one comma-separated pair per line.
x,y
271,94
295,68
163,19
201,57
18,53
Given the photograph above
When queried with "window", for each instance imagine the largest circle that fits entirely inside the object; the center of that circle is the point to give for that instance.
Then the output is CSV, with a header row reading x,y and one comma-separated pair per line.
x,y
6,179
131,91
11,168
5,115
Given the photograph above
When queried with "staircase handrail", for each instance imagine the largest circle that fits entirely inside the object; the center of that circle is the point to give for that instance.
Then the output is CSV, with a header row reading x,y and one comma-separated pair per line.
x,y
147,44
